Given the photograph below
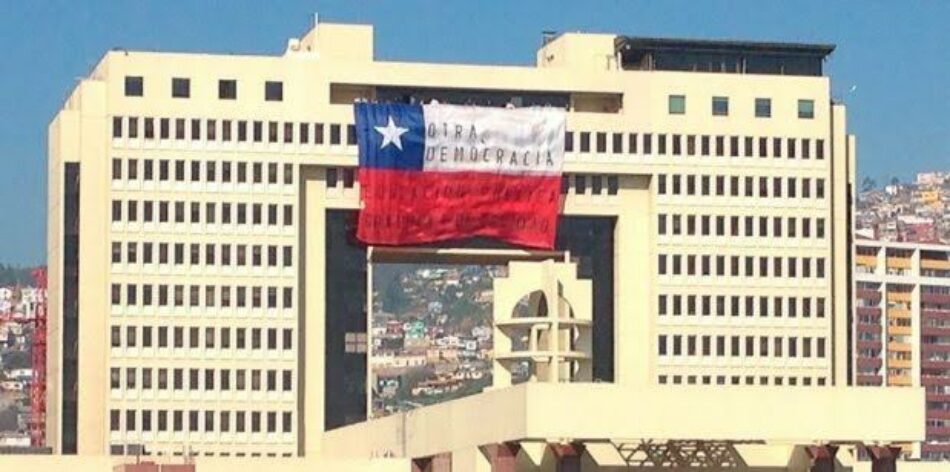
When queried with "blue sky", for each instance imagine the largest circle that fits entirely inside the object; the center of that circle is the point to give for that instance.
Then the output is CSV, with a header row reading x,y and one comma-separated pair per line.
x,y
894,53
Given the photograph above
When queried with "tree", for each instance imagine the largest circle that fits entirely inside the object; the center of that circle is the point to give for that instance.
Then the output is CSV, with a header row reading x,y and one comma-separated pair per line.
x,y
868,184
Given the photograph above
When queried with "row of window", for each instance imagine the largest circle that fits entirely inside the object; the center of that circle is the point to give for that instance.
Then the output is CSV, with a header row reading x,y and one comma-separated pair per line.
x,y
706,225
181,170
579,183
164,211
722,346
720,107
738,380
748,186
174,421
214,296
271,339
210,254
599,142
705,264
202,379
240,131
736,305
663,144
180,87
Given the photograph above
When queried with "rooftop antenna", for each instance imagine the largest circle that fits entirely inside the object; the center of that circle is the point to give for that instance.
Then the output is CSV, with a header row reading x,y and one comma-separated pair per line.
x,y
316,19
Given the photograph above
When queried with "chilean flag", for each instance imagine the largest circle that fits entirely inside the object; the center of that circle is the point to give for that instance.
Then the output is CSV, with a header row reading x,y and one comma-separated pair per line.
x,y
441,172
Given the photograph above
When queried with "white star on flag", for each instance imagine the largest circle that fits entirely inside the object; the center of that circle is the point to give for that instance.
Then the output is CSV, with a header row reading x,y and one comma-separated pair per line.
x,y
391,134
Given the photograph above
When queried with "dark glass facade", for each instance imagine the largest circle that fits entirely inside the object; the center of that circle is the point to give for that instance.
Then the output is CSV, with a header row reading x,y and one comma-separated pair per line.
x,y
345,388
590,241
70,308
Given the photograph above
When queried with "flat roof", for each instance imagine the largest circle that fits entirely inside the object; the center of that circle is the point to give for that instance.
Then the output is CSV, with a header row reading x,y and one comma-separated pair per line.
x,y
717,45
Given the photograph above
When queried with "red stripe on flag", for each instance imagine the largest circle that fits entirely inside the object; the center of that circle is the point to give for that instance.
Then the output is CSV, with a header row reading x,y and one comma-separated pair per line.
x,y
413,207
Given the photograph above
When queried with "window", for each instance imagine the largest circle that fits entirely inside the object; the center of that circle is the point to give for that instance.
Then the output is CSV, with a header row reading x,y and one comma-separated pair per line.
x,y
227,89
133,86
677,104
113,420
806,109
720,106
181,88
273,91
763,107
133,169
288,132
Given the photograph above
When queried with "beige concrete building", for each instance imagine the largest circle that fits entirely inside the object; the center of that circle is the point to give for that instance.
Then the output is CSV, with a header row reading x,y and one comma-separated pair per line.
x,y
902,327
207,297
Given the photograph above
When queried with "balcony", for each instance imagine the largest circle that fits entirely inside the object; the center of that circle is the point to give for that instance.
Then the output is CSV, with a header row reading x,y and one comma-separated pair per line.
x,y
873,296
869,328
931,313
868,311
865,344
928,348
898,346
899,380
938,431
898,263
935,330
898,296
935,264
898,313
871,380
869,363
937,447
935,364
867,261
941,298
926,380
899,330
899,363
939,414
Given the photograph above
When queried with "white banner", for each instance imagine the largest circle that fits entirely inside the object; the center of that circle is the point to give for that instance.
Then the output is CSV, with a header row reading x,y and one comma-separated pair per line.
x,y
494,140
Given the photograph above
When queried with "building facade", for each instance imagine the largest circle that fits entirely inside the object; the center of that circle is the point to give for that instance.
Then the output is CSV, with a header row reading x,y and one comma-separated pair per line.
x,y
902,327
207,296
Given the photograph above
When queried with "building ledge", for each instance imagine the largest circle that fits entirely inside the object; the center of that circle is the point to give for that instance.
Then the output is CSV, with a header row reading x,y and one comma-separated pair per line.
x,y
572,412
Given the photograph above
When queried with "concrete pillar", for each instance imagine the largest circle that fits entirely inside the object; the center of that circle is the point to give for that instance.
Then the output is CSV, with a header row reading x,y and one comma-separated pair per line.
x,y
422,464
568,457
502,456
822,458
437,463
883,458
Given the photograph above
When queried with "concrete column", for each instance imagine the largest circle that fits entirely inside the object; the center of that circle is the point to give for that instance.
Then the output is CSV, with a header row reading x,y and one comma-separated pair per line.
x,y
502,456
822,458
568,457
422,464
883,458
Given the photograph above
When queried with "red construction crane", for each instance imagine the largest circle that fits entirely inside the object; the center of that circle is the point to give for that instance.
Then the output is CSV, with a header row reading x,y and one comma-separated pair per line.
x,y
38,386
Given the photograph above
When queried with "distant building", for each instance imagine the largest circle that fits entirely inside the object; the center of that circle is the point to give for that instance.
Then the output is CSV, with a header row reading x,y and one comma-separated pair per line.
x,y
916,229
931,178
902,327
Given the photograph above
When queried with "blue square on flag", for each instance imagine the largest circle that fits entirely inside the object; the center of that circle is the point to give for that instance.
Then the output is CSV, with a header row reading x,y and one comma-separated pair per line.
x,y
391,136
